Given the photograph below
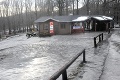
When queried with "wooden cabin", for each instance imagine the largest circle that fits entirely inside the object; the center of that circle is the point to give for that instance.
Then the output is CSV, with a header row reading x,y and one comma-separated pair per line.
x,y
62,25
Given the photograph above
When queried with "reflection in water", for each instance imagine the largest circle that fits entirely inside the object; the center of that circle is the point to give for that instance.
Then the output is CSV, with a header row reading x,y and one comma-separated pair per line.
x,y
36,68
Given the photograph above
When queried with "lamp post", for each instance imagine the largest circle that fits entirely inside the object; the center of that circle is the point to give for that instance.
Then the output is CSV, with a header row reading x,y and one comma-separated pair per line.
x,y
52,13
89,12
109,12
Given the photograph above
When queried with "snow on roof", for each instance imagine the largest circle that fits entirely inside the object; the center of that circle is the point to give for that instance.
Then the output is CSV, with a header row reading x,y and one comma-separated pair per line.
x,y
82,18
99,18
51,19
72,18
103,18
106,17
44,19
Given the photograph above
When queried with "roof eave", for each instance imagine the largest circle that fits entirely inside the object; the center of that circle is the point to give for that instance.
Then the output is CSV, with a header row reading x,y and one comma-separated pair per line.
x,y
46,20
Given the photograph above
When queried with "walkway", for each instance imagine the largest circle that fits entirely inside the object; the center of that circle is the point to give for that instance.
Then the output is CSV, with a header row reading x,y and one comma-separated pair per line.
x,y
112,64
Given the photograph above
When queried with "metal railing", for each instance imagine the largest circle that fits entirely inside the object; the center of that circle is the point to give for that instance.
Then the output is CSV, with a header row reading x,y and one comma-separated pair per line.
x,y
63,70
100,36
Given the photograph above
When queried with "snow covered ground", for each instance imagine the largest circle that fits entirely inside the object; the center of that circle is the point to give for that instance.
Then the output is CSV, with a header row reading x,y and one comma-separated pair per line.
x,y
112,65
38,58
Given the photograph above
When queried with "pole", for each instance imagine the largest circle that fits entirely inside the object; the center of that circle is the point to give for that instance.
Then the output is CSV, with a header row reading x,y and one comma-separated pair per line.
x,y
84,60
95,45
102,36
64,75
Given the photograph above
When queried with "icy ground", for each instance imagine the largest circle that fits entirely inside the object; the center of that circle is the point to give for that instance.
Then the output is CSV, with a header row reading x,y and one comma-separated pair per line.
x,y
38,58
111,69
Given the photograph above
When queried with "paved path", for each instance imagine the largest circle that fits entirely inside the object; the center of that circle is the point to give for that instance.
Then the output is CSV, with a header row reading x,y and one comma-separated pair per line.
x,y
96,58
112,65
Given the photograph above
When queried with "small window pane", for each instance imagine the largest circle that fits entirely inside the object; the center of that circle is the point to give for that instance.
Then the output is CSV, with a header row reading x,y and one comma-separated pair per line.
x,y
63,26
46,27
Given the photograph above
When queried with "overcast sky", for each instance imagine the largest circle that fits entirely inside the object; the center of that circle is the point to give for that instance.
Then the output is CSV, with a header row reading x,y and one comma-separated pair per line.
x,y
80,4
1,0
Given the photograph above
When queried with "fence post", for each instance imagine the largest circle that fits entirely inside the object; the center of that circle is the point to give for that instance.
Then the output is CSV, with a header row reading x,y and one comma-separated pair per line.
x,y
64,75
102,36
95,45
84,60
109,30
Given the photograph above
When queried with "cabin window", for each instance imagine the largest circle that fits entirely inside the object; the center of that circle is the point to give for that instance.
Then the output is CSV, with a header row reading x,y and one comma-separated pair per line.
x,y
45,27
62,26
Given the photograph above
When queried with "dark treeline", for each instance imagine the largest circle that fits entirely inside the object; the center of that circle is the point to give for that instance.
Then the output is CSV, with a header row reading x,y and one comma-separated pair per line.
x,y
19,15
